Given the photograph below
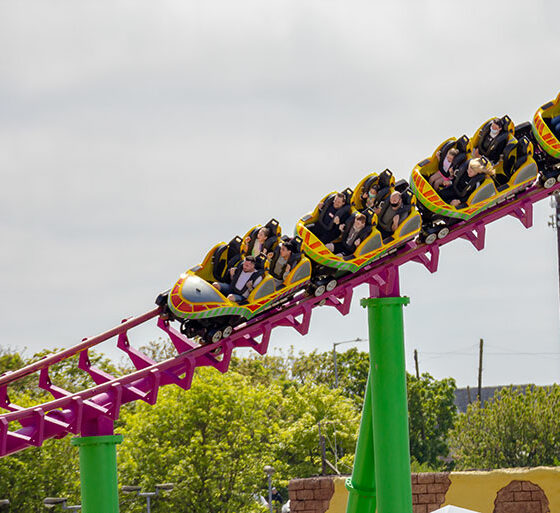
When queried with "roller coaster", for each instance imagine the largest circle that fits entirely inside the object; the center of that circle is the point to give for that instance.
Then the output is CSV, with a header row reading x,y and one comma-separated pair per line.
x,y
205,326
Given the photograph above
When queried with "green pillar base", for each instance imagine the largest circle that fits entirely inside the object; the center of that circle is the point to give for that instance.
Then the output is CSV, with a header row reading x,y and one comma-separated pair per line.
x,y
360,499
98,473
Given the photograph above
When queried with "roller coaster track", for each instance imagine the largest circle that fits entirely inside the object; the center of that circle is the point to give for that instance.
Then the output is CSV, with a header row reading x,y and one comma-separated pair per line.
x,y
93,411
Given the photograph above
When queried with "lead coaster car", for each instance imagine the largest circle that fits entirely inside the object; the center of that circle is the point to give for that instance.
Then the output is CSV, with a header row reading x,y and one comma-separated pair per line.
x,y
515,172
548,141
205,312
370,249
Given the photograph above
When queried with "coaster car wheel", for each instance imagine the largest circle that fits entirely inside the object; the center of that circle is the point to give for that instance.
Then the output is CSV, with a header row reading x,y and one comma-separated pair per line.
x,y
444,232
430,238
213,336
331,284
227,331
549,182
319,290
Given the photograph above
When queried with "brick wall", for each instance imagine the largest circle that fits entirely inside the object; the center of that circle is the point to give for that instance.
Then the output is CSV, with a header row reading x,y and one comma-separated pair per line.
x,y
513,495
521,497
428,491
311,495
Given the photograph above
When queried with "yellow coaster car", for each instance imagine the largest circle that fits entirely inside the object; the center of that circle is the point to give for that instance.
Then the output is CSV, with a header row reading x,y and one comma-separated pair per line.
x,y
208,313
544,134
371,246
549,140
516,170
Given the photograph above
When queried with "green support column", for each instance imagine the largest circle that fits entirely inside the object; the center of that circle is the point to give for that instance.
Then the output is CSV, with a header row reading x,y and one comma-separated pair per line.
x,y
361,486
389,403
98,473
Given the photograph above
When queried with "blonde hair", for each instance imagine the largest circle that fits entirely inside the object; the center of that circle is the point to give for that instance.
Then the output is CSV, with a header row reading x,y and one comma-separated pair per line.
x,y
481,165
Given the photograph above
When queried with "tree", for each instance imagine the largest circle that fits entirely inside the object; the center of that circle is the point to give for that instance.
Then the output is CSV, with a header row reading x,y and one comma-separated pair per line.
x,y
431,406
515,428
431,414
311,368
213,441
298,451
29,476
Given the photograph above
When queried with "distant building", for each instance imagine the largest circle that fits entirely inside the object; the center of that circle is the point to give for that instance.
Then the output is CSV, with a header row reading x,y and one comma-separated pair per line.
x,y
462,395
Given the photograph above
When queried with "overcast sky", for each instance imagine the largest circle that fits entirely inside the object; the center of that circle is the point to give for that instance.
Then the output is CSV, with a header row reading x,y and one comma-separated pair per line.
x,y
134,135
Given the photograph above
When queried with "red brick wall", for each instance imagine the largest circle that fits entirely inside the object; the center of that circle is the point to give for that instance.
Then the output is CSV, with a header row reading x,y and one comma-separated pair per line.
x,y
313,495
428,491
310,495
428,494
521,497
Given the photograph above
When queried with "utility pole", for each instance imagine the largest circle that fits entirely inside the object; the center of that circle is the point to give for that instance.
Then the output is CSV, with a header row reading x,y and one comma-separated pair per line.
x,y
480,371
416,364
554,223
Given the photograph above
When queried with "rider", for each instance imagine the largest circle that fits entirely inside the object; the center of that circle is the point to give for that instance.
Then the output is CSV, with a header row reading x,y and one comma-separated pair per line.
x,y
332,215
244,278
351,237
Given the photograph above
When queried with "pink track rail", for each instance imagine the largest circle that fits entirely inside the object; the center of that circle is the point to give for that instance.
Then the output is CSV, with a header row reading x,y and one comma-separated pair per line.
x,y
92,411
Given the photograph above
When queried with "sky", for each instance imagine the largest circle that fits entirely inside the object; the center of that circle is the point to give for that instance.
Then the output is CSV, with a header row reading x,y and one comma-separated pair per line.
x,y
134,135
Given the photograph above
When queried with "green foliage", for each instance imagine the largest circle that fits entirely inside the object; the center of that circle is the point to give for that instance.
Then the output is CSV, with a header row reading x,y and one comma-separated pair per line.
x,y
298,451
27,477
310,368
430,401
513,429
431,414
213,441
265,369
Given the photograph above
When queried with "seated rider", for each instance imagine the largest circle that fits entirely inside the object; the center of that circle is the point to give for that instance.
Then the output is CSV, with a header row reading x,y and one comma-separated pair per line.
x,y
469,176
492,141
369,197
280,265
352,237
244,278
332,215
259,244
554,124
446,170
390,214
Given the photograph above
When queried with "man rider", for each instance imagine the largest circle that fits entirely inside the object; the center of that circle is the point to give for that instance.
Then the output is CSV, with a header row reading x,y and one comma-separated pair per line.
x,y
332,215
390,215
244,279
352,238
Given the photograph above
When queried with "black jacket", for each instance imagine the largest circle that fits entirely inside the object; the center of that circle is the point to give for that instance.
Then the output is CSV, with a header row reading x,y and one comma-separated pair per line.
x,y
492,148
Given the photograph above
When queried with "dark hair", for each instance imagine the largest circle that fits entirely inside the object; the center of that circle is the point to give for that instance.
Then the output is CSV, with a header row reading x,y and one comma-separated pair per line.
x,y
340,195
499,122
250,258
289,246
360,217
